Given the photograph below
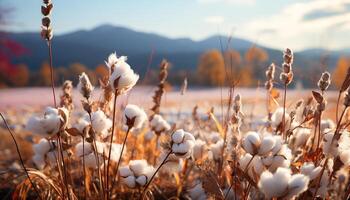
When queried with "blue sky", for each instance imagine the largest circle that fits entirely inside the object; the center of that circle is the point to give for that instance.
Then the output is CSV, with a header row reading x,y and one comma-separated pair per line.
x,y
298,24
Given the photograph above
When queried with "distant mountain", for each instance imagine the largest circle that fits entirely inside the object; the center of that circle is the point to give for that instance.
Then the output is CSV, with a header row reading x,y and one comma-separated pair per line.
x,y
91,47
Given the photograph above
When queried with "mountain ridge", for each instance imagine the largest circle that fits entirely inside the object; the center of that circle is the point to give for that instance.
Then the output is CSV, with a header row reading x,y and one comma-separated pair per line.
x,y
91,47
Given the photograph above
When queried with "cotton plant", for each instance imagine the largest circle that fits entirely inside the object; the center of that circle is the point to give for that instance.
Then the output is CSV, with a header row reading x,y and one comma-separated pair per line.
x,y
182,143
282,184
52,122
258,144
40,150
122,77
134,117
277,116
215,150
136,174
199,149
159,125
339,148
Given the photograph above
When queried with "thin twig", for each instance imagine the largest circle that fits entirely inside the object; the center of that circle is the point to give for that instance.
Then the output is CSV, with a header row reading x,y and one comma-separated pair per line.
x,y
52,73
111,141
150,180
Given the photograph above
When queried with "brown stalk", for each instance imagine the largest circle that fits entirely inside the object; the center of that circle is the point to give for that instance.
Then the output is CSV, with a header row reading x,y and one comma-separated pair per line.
x,y
284,111
52,73
111,141
20,156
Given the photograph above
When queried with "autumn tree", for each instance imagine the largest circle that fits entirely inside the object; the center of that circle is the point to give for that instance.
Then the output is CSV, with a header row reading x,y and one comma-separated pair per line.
x,y
255,59
340,71
21,77
101,71
211,68
45,75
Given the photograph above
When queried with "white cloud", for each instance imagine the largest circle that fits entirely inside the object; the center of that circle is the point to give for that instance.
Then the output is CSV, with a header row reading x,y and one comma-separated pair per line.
x,y
214,20
303,24
237,2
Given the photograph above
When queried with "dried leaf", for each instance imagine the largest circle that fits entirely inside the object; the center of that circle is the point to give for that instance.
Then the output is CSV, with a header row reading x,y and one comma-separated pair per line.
x,y
318,97
74,132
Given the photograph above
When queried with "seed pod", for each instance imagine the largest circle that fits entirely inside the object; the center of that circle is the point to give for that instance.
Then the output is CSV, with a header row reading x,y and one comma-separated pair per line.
x,y
46,9
46,21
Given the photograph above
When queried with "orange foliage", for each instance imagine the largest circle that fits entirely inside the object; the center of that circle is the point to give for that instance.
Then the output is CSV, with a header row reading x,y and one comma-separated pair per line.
x,y
211,68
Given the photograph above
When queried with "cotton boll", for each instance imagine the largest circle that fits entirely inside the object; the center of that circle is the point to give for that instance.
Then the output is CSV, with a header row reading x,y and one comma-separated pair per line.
x,y
130,181
149,135
100,122
328,147
216,149
111,61
158,124
268,160
267,144
51,123
198,149
135,115
50,111
345,157
255,167
189,137
178,136
244,160
47,125
309,170
100,147
197,192
281,159
182,150
274,185
79,149
298,184
125,171
173,163
277,117
81,124
90,160
141,180
278,144
214,137
34,125
39,161
138,166
251,142
148,172
301,136
182,147
115,151
123,77
344,141
327,124
42,147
